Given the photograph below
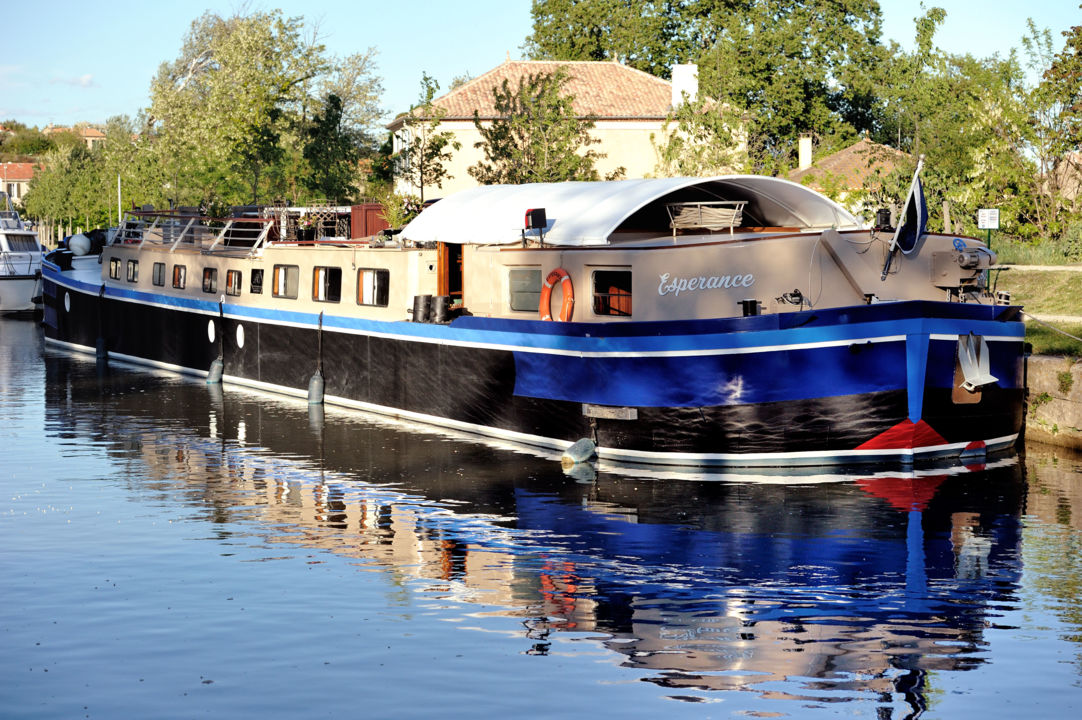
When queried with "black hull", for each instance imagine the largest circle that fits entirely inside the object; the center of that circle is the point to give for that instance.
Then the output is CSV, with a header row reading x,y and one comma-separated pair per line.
x,y
474,388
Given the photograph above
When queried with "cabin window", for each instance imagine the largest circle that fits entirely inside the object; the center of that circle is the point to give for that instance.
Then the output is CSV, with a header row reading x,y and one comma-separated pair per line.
x,y
327,284
133,271
373,286
257,281
233,282
612,292
114,268
286,279
179,273
210,280
159,274
525,286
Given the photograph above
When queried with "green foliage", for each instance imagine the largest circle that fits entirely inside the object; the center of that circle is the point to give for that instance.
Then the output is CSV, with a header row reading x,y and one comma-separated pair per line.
x,y
23,143
397,209
332,153
536,136
1065,381
425,148
699,139
243,114
793,67
644,34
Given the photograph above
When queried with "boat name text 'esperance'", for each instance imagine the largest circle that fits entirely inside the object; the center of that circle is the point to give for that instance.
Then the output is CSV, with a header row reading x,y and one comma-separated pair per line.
x,y
678,285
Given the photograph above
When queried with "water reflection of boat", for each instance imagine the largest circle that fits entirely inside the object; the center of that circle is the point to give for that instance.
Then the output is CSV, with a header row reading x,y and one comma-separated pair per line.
x,y
825,590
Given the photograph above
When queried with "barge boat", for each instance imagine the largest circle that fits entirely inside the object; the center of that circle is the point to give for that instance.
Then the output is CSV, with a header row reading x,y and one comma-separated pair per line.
x,y
726,321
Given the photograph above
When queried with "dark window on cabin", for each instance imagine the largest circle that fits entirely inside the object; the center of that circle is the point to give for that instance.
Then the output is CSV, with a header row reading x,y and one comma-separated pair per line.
x,y
525,287
179,273
612,292
373,286
327,284
159,274
133,271
114,268
210,280
233,282
285,281
257,282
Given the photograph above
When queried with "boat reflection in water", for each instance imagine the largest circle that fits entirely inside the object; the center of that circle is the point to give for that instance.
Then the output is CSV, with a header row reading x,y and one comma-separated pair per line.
x,y
817,588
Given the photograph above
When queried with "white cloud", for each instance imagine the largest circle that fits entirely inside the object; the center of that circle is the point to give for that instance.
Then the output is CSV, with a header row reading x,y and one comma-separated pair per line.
x,y
85,81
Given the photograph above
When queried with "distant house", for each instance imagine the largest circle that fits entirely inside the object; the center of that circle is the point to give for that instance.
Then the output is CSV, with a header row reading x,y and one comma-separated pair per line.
x,y
91,136
15,179
628,106
845,175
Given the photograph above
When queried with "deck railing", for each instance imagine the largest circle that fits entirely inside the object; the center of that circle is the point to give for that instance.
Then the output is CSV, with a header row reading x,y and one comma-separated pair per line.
x,y
176,229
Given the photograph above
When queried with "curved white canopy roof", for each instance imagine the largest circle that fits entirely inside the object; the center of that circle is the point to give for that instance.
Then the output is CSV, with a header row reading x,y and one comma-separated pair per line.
x,y
587,213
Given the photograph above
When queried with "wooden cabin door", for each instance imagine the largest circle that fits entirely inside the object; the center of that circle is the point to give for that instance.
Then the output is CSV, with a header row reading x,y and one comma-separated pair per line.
x,y
449,281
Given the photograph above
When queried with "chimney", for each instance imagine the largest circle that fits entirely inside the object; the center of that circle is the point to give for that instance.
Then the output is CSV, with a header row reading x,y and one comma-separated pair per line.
x,y
685,81
804,152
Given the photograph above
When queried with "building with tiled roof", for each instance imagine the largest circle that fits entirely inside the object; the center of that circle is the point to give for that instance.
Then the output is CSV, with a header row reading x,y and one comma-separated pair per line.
x,y
628,107
845,175
15,179
91,136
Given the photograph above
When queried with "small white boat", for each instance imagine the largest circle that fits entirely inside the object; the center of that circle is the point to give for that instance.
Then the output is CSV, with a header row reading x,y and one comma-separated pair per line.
x,y
20,263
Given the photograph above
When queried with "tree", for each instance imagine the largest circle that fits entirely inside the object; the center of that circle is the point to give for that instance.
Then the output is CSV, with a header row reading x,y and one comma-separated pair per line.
x,y
231,115
536,136
424,145
793,68
644,34
701,138
790,66
332,153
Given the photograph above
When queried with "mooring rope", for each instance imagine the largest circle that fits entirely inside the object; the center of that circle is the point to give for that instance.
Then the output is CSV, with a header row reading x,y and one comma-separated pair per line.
x,y
1051,327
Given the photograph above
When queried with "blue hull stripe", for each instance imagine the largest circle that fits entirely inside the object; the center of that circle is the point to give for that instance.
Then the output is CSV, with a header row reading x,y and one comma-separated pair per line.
x,y
883,323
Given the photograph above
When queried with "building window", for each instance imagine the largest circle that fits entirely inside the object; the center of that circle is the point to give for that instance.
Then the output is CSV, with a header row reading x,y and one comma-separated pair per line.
x,y
525,286
612,292
327,284
373,286
179,273
257,282
210,280
114,268
286,279
233,282
159,274
133,271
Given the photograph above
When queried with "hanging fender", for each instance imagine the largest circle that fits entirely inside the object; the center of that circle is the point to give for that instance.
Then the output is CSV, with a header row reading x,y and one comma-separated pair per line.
x,y
559,275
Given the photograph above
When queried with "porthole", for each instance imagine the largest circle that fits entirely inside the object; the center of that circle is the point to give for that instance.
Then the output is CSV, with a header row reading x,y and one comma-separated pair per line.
x,y
210,330
240,336
67,302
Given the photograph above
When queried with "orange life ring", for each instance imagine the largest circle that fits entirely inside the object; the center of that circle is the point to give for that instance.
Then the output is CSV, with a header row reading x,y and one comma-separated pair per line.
x,y
559,275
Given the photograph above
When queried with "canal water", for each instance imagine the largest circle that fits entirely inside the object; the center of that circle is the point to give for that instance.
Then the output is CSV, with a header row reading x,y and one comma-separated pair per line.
x,y
170,549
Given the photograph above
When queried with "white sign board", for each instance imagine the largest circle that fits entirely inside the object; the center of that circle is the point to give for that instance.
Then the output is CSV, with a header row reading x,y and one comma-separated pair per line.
x,y
988,219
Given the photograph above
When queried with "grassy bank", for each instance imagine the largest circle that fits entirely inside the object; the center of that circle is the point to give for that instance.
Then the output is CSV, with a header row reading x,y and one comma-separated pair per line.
x,y
1046,292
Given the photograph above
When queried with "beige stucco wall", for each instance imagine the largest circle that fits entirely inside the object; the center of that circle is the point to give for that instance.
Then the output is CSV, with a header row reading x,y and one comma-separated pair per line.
x,y
625,143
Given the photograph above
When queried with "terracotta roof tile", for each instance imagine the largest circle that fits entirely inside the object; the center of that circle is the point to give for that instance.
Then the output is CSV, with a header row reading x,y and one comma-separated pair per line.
x,y
606,90
852,166
16,171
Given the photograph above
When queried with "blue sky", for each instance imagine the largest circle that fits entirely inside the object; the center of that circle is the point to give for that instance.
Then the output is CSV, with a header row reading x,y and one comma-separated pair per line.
x,y
66,62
